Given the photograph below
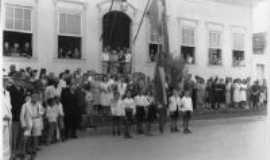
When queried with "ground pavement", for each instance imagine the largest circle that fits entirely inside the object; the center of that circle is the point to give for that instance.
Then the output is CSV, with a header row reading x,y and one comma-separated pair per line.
x,y
244,138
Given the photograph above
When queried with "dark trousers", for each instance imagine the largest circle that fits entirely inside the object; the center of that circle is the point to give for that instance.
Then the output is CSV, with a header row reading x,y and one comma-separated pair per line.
x,y
116,124
162,118
140,117
16,136
71,124
128,122
194,99
52,132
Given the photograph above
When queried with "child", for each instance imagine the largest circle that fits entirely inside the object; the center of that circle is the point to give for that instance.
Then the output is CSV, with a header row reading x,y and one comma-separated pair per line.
x,y
129,107
151,112
60,120
174,104
141,103
31,122
186,108
117,113
52,116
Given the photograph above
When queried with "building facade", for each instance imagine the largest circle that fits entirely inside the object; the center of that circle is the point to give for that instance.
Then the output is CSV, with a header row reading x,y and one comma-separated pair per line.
x,y
214,36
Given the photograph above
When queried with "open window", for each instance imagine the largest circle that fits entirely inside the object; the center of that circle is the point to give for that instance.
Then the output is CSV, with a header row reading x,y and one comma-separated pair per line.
x,y
17,34
70,36
215,51
238,52
188,44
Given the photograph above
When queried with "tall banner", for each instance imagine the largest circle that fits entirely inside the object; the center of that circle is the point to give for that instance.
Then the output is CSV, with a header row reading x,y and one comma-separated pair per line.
x,y
158,20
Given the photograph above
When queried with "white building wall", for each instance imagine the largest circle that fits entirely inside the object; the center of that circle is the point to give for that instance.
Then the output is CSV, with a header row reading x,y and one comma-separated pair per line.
x,y
203,12
261,23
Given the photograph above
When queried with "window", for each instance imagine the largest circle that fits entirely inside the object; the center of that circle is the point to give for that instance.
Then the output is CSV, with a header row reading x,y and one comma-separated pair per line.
x,y
155,45
69,36
238,53
260,71
154,50
215,52
259,43
18,31
188,45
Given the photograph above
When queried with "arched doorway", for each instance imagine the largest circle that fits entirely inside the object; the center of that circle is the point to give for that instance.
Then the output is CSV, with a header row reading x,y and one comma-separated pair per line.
x,y
116,30
116,26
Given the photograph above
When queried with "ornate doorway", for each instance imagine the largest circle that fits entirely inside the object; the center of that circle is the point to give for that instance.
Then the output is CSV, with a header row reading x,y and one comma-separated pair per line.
x,y
118,23
116,30
116,43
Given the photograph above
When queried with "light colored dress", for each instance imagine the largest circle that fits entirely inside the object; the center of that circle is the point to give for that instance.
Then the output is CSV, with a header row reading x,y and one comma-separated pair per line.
x,y
236,93
201,94
243,92
228,93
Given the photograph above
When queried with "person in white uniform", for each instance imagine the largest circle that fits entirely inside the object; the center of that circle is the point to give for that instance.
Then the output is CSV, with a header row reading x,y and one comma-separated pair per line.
x,y
31,122
236,93
6,119
174,106
243,94
186,109
129,107
117,110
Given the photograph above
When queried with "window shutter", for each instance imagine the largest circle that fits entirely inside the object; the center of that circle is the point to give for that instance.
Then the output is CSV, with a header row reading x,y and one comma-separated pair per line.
x,y
188,36
70,24
238,41
18,18
214,39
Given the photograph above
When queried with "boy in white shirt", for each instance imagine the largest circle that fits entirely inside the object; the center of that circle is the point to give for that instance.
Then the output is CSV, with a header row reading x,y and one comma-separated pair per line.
x,y
129,106
117,111
187,109
32,123
174,106
141,103
60,120
52,117
151,111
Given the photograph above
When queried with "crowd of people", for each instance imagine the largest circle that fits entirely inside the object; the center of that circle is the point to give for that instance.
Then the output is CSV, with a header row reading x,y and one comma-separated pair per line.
x,y
44,109
116,60
16,50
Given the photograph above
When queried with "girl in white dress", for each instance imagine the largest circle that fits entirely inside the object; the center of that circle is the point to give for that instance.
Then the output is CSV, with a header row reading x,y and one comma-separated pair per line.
x,y
243,93
236,93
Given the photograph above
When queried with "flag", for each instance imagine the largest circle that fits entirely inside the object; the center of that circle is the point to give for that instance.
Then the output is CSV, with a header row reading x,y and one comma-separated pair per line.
x,y
155,16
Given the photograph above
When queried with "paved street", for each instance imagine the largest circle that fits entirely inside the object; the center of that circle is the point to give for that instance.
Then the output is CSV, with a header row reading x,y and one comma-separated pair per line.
x,y
223,139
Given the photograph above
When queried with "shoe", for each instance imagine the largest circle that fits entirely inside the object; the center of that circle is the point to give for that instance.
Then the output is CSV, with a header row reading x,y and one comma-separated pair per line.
x,y
189,131
119,133
128,136
185,131
176,130
149,134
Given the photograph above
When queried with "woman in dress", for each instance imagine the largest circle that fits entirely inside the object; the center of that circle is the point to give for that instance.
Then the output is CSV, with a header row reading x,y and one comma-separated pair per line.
x,y
243,94
228,92
236,93
201,94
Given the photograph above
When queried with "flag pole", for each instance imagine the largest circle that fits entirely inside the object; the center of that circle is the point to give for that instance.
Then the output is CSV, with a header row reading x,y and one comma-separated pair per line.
x,y
140,25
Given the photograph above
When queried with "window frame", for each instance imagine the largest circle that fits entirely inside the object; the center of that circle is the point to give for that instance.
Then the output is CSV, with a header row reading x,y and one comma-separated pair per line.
x,y
154,42
33,20
218,47
194,28
69,11
14,6
234,48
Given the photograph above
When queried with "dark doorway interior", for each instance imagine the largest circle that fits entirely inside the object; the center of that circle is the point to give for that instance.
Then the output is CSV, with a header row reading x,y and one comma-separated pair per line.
x,y
116,30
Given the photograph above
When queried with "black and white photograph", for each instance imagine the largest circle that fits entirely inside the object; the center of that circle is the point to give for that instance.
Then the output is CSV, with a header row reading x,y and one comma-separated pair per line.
x,y
135,79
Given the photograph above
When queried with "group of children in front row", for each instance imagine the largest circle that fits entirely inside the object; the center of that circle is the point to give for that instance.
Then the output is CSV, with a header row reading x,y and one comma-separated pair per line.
x,y
142,108
34,118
